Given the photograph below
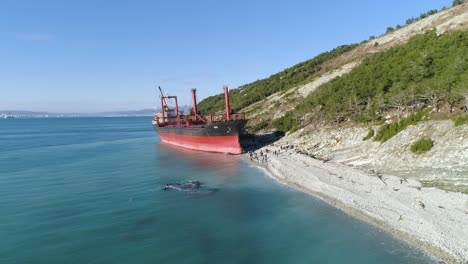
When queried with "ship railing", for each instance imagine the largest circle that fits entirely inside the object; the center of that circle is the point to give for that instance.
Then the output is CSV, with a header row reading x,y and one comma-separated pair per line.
x,y
196,120
169,120
216,118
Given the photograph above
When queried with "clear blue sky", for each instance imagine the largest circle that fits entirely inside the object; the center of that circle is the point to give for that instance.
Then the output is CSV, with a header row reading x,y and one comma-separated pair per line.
x,y
87,56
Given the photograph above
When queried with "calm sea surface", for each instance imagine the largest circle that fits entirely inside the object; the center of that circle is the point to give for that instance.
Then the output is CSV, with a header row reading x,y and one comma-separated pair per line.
x,y
88,190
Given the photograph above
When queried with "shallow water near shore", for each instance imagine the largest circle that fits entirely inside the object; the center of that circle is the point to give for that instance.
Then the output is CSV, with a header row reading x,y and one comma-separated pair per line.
x,y
89,190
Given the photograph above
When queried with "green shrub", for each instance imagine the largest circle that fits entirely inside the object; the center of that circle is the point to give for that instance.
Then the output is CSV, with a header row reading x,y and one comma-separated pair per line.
x,y
259,126
457,2
285,123
363,119
422,146
369,135
461,120
388,131
294,129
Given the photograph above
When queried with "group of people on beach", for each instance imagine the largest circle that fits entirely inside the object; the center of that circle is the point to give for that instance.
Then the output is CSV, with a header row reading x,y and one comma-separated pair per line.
x,y
259,158
262,157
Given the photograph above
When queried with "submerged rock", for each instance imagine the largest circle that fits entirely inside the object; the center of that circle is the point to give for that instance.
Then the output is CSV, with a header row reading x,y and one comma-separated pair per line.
x,y
184,186
191,187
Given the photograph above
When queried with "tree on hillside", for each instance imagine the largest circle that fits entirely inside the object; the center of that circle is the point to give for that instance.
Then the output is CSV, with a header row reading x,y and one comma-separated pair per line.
x,y
410,20
398,100
462,90
412,98
457,2
433,96
378,106
354,104
452,98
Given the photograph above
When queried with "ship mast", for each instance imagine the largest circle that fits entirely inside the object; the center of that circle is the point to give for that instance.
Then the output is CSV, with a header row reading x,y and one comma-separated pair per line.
x,y
165,100
194,101
162,95
226,102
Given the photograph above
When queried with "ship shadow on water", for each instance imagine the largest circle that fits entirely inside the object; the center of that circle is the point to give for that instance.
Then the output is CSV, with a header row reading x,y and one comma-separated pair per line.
x,y
227,163
253,142
212,170
215,171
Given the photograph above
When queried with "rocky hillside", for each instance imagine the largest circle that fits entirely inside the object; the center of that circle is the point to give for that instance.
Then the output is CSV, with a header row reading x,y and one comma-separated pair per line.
x,y
279,103
444,166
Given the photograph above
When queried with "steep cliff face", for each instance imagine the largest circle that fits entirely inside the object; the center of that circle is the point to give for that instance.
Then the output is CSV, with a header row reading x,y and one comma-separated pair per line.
x,y
444,166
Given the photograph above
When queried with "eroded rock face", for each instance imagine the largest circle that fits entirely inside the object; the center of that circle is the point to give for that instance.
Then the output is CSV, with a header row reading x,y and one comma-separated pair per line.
x,y
444,166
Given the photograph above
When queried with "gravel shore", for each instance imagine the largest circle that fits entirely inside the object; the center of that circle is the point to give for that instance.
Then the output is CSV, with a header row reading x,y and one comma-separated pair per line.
x,y
431,219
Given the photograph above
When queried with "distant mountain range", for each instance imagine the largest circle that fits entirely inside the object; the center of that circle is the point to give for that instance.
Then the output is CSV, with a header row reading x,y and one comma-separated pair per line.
x,y
28,114
129,113
142,112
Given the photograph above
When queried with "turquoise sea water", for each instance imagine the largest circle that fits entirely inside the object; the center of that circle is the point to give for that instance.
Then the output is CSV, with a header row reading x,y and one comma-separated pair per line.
x,y
88,190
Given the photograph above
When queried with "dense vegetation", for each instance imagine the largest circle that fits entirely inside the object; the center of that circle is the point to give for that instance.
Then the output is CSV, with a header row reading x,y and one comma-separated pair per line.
x,y
422,146
387,131
428,71
458,2
248,94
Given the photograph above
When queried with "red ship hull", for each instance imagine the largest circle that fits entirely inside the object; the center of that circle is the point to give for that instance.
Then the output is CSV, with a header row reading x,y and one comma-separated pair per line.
x,y
223,144
220,137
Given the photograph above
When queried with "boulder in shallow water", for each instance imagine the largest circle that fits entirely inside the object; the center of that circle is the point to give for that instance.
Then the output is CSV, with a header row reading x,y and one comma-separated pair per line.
x,y
183,186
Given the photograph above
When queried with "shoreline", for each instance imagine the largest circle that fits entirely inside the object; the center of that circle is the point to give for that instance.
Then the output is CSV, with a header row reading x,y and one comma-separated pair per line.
x,y
429,219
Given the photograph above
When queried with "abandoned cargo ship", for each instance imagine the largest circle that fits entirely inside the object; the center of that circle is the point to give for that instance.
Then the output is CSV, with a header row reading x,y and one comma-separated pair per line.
x,y
212,132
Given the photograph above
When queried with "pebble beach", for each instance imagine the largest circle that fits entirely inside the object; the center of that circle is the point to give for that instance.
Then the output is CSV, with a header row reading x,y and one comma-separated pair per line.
x,y
430,219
